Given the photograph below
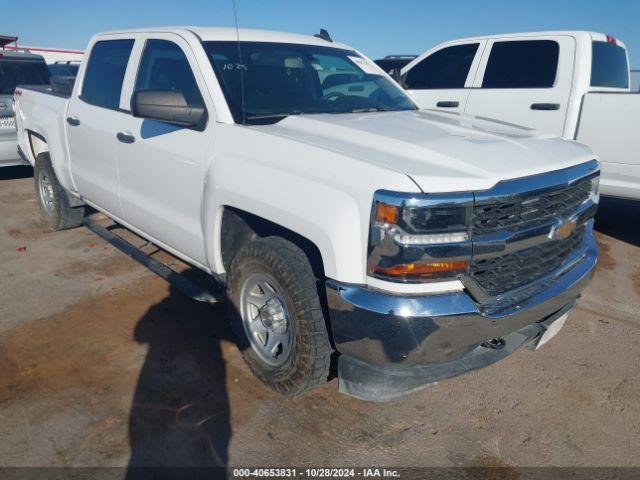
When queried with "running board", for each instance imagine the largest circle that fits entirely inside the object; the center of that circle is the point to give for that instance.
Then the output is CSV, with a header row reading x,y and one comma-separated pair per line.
x,y
182,283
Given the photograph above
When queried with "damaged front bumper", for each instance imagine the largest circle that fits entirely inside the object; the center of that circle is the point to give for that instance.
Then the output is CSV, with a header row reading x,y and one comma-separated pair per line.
x,y
391,345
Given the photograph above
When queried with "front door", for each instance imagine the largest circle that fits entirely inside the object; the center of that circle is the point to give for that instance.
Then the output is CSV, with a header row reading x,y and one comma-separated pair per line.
x,y
440,80
162,165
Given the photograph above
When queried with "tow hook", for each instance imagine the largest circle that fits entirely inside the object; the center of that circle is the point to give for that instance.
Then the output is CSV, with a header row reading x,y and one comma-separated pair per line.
x,y
494,344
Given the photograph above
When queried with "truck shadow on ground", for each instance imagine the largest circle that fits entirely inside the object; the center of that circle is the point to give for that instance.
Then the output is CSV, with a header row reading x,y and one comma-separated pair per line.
x,y
13,173
618,218
179,424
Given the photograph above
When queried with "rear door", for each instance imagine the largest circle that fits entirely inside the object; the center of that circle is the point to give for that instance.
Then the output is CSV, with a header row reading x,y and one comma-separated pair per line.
x,y
162,165
441,79
92,123
526,81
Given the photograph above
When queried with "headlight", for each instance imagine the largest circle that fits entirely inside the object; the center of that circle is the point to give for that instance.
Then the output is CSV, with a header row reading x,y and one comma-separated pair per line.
x,y
416,238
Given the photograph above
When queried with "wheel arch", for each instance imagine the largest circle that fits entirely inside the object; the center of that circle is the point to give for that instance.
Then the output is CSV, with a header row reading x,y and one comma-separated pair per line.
x,y
238,227
37,144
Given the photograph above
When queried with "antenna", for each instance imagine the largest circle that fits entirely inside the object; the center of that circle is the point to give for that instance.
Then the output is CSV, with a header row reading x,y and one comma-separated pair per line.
x,y
324,35
235,16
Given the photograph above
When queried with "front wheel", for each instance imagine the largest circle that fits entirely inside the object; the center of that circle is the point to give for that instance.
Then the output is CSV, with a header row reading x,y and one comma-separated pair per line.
x,y
277,316
53,200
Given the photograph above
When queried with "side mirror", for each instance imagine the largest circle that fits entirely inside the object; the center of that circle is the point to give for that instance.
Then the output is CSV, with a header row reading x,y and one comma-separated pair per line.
x,y
167,106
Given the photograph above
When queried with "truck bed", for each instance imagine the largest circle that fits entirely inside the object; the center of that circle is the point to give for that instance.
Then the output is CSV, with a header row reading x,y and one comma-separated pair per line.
x,y
48,89
610,124
41,112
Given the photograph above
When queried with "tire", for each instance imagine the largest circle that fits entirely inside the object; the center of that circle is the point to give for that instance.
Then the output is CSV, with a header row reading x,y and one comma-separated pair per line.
x,y
306,363
52,198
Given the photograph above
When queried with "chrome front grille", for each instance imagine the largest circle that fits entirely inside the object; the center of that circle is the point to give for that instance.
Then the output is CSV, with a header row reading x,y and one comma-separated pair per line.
x,y
518,212
508,272
517,232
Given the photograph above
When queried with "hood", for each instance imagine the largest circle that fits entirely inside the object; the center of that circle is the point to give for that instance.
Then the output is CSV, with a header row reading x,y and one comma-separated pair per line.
x,y
440,152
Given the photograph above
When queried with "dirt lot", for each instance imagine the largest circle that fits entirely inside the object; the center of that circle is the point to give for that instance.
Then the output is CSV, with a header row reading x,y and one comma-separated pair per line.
x,y
102,364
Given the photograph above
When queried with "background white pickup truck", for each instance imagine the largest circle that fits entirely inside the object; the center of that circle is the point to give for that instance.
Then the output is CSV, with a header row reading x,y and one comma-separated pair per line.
x,y
342,221
572,84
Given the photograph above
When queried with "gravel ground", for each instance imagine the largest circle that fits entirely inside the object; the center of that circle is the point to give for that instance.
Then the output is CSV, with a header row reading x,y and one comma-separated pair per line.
x,y
103,364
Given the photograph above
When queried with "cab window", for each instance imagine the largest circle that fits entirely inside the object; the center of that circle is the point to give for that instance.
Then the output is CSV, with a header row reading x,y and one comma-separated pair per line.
x,y
445,69
522,64
105,73
164,67
609,67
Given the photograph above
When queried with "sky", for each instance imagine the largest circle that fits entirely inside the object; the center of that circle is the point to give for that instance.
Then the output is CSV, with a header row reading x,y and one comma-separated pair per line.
x,y
375,27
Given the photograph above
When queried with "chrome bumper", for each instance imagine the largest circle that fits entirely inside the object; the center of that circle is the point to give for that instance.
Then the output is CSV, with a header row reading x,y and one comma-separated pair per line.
x,y
9,152
392,344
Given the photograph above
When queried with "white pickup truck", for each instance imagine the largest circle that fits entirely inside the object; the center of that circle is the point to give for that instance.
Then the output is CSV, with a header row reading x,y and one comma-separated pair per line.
x,y
572,84
344,223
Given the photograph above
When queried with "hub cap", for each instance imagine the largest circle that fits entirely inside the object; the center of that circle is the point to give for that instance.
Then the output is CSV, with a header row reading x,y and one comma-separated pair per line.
x,y
46,192
266,319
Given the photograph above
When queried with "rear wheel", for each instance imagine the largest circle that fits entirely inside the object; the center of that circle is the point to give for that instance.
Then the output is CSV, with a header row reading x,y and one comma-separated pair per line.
x,y
277,316
54,204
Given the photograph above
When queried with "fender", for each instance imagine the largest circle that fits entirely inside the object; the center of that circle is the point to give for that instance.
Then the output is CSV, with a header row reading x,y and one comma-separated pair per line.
x,y
317,194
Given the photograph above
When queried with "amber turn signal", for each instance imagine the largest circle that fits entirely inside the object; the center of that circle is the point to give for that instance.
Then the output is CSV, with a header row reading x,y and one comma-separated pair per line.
x,y
422,269
386,213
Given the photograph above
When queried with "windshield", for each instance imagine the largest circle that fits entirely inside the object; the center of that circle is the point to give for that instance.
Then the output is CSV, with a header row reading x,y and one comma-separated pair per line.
x,y
21,72
286,79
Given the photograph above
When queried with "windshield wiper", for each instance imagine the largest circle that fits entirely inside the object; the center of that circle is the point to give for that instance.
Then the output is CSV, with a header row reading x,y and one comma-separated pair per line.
x,y
371,109
273,115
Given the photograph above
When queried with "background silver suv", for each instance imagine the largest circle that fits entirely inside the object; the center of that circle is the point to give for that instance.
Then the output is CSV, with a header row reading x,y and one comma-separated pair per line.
x,y
16,69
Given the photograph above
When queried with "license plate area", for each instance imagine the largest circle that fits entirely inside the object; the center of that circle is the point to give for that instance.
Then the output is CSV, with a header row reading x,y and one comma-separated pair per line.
x,y
552,330
7,122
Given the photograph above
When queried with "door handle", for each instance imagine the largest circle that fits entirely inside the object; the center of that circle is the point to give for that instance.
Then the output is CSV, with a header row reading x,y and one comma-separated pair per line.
x,y
126,137
73,121
447,104
545,106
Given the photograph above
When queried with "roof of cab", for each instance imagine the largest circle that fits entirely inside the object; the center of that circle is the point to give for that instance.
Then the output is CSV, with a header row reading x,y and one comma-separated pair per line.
x,y
12,54
231,34
578,34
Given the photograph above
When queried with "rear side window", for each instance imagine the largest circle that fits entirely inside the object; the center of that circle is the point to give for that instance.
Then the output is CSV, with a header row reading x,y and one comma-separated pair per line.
x,y
105,73
15,72
609,67
522,64
164,67
64,70
446,68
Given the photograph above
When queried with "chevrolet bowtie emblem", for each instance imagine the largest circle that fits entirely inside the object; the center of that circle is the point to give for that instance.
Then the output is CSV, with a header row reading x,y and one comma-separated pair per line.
x,y
563,230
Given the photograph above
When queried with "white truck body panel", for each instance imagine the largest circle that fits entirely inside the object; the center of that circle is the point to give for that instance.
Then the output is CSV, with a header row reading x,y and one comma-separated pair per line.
x,y
610,119
315,175
610,123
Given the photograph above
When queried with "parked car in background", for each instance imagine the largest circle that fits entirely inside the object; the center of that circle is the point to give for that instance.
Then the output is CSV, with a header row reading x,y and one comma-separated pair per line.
x,y
342,221
393,64
63,75
50,54
15,68
635,80
572,84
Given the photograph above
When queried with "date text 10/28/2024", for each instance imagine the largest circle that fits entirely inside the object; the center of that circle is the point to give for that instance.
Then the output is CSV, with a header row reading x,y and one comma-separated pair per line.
x,y
315,473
